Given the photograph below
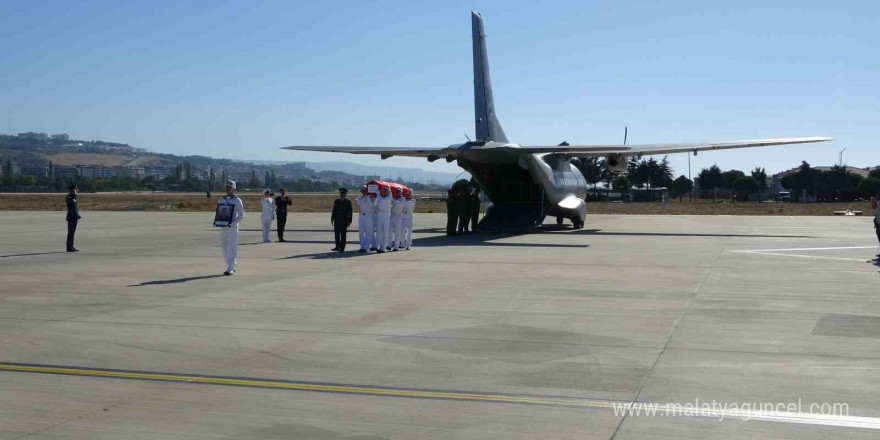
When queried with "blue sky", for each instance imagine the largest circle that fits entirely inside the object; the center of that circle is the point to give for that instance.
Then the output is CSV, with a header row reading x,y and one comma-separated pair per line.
x,y
240,79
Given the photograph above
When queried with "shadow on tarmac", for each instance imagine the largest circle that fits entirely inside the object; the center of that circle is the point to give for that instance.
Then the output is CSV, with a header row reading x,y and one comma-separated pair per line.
x,y
175,281
28,255
477,239
676,234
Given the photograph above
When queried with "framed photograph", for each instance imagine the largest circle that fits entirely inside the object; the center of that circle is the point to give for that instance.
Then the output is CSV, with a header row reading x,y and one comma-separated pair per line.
x,y
223,216
373,189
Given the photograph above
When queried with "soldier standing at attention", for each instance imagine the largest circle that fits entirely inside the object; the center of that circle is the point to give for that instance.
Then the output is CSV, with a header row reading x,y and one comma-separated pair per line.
x,y
451,213
366,207
396,231
281,204
72,216
267,214
341,219
229,234
383,218
409,207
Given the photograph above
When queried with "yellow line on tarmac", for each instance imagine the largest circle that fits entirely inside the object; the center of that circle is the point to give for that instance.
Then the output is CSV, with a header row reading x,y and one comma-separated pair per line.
x,y
307,386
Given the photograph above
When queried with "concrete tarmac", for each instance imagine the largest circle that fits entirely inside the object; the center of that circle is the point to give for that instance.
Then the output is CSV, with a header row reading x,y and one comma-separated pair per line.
x,y
545,335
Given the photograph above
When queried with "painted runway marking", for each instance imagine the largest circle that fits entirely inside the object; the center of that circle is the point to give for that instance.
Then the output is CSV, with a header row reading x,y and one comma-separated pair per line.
x,y
818,257
616,405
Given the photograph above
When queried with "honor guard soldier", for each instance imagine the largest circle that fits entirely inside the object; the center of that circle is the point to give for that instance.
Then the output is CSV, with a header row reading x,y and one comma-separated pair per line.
x,y
72,216
396,231
281,204
229,234
366,208
267,214
406,219
383,218
340,218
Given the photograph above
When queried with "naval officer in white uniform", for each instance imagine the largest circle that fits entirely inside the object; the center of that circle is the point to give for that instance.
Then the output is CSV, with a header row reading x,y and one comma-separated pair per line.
x,y
229,234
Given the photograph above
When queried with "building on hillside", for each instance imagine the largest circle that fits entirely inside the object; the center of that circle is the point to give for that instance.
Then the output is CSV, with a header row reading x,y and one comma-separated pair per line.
x,y
159,171
86,172
63,171
137,172
63,137
16,169
33,170
33,135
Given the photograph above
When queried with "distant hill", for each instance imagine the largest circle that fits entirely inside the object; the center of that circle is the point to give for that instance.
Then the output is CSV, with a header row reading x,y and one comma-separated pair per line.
x,y
409,174
30,151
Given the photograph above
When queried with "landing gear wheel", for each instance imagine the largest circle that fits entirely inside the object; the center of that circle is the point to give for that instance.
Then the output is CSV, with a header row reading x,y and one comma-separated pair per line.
x,y
559,220
578,223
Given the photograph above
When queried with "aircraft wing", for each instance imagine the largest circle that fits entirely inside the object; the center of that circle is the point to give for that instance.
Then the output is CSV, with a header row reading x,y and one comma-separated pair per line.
x,y
649,149
382,151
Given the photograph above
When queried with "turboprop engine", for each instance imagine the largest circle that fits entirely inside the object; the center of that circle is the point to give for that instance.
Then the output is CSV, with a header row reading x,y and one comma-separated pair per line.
x,y
615,163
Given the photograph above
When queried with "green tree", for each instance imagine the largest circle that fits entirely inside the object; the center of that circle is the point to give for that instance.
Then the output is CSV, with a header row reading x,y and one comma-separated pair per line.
x,y
254,183
730,177
805,180
621,184
7,173
187,171
711,179
869,187
681,186
745,185
760,176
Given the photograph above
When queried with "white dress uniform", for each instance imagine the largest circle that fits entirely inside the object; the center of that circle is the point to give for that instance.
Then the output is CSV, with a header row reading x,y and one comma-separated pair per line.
x,y
375,236
267,216
383,220
366,210
396,232
229,235
406,220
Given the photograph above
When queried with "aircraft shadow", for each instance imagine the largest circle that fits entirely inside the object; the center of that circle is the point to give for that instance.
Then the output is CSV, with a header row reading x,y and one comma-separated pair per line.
x,y
485,239
677,234
36,253
176,281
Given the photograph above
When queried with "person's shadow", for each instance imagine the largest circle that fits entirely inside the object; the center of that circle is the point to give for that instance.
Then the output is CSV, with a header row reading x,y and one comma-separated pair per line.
x,y
176,280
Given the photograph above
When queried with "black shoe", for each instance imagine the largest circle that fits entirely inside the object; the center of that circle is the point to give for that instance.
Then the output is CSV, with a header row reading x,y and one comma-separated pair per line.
x,y
73,250
334,249
341,250
381,252
363,251
227,272
372,249
281,240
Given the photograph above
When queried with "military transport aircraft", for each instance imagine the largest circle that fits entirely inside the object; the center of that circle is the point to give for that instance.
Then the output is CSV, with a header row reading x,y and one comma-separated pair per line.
x,y
526,183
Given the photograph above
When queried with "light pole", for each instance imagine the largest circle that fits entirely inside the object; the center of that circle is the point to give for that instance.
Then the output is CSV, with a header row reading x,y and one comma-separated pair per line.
x,y
691,192
841,157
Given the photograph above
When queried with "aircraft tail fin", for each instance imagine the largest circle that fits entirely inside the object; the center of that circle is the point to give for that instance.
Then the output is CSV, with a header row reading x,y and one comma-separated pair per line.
x,y
487,126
